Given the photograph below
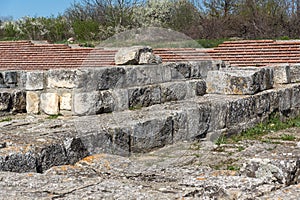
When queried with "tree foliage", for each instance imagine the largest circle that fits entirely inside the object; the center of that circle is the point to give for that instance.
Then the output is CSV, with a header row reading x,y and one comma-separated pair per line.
x,y
207,19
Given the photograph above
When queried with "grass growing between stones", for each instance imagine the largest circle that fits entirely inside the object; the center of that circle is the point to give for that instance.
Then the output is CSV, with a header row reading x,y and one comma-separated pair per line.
x,y
256,133
7,119
54,116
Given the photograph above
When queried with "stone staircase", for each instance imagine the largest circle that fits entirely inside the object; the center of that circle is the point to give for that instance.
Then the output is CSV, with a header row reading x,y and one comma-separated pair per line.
x,y
132,109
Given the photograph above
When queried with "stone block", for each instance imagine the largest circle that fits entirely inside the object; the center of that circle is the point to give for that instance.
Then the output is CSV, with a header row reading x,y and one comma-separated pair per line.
x,y
65,101
173,91
282,74
5,101
180,71
137,76
240,111
35,80
295,73
98,142
85,103
128,56
136,55
10,78
285,100
262,103
296,97
198,121
120,97
149,58
110,78
219,109
180,126
144,96
62,78
49,103
238,82
151,134
19,101
106,102
32,102
196,87
200,69
121,141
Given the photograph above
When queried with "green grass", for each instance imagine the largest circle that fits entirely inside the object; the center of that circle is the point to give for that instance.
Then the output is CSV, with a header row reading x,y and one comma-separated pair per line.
x,y
272,125
7,119
205,43
54,116
287,137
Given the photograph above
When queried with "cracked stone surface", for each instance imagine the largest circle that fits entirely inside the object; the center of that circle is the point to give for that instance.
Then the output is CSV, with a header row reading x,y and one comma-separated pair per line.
x,y
185,170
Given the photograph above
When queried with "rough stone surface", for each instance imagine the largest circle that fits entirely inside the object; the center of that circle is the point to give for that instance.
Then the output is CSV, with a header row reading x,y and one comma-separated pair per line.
x,y
32,102
198,170
239,81
35,80
295,73
136,55
49,103
62,78
282,74
65,101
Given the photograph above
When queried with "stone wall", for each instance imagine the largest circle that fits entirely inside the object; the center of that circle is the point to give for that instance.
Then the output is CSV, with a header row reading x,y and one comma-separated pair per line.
x,y
89,91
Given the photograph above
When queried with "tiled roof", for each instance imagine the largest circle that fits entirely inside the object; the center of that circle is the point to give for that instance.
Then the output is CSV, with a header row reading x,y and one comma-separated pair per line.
x,y
22,55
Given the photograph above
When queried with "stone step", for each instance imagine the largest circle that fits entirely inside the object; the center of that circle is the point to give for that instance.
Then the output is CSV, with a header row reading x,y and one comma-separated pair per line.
x,y
37,143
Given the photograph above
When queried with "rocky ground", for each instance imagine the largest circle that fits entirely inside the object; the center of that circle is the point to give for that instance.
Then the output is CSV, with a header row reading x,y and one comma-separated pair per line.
x,y
268,168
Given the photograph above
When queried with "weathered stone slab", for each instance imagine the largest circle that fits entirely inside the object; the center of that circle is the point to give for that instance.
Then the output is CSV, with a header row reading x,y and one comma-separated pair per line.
x,y
110,78
200,69
180,71
65,101
85,103
10,78
62,78
49,103
32,102
151,134
144,96
5,101
240,111
282,74
34,80
18,102
233,82
149,58
295,73
136,55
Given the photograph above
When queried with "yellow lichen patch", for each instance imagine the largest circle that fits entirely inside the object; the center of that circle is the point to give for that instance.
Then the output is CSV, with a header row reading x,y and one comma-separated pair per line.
x,y
30,174
201,178
90,159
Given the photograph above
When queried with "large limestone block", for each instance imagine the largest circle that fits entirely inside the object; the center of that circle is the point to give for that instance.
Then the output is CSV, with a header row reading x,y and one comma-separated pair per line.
x,y
151,134
65,101
19,101
50,103
282,74
295,73
238,82
136,55
62,78
144,96
5,99
32,102
34,80
173,91
85,103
